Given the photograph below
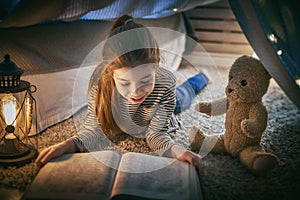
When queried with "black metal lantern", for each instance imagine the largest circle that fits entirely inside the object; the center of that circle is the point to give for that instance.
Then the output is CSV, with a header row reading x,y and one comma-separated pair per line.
x,y
17,104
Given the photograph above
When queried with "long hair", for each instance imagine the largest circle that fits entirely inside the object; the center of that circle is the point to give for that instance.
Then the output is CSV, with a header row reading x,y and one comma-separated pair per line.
x,y
122,53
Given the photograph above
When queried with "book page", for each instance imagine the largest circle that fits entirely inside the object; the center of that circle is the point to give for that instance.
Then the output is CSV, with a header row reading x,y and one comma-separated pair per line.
x,y
153,177
76,176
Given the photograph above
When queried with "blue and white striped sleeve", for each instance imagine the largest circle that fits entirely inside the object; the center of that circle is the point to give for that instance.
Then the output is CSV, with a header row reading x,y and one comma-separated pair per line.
x,y
157,134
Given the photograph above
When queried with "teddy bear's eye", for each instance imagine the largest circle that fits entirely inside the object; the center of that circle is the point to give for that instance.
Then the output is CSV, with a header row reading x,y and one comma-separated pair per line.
x,y
244,82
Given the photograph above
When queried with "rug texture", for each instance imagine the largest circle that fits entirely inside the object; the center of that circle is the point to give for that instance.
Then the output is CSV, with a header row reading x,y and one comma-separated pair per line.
x,y
224,176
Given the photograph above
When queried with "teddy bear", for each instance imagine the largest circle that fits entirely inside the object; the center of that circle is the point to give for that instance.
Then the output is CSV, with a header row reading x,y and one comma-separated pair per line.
x,y
246,117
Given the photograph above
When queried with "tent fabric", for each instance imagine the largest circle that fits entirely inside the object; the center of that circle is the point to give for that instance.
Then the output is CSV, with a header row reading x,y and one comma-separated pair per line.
x,y
56,97
20,13
272,29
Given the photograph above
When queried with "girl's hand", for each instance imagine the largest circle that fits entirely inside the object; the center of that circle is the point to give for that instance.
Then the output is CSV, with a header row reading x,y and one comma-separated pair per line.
x,y
55,151
190,157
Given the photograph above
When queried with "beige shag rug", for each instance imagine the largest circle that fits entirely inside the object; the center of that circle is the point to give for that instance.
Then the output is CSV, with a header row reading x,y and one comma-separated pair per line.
x,y
224,177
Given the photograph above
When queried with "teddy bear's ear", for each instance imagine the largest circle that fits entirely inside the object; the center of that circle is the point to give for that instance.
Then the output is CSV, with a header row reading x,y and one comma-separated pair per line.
x,y
267,73
251,62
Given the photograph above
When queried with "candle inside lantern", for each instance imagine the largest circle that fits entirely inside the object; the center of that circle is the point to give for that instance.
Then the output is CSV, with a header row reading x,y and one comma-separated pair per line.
x,y
9,106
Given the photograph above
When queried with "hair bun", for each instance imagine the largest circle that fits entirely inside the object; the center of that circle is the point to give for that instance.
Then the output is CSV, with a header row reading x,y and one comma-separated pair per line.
x,y
125,19
128,20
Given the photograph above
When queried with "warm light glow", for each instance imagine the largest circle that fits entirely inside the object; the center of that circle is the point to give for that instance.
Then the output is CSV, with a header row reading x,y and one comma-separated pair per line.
x,y
28,115
298,81
279,52
9,106
273,38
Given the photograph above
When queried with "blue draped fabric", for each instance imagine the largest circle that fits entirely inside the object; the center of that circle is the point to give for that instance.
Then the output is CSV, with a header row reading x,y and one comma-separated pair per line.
x,y
144,9
30,12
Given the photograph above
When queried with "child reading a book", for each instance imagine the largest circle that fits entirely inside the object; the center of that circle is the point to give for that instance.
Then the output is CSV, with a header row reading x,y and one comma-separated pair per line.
x,y
130,93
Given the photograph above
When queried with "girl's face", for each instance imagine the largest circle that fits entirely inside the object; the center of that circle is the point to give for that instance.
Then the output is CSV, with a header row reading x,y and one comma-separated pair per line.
x,y
136,83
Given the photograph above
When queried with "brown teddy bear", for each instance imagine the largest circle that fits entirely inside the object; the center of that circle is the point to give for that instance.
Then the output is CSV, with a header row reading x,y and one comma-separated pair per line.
x,y
246,117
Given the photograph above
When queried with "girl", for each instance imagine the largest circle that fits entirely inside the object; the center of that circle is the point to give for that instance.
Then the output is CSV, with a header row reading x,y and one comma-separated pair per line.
x,y
130,94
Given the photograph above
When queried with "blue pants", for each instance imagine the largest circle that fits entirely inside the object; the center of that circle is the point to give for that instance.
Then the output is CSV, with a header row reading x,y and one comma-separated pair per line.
x,y
186,92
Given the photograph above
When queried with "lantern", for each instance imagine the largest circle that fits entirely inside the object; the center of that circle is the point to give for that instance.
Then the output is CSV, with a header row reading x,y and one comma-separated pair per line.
x,y
18,143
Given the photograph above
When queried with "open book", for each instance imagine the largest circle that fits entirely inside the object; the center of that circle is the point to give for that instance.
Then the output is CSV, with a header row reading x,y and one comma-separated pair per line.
x,y
108,175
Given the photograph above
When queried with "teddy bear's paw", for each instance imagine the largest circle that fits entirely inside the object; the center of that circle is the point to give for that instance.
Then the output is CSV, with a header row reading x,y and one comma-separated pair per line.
x,y
196,137
265,163
203,108
246,128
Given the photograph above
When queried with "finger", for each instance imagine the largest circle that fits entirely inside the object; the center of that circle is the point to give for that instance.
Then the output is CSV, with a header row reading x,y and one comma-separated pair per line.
x,y
50,154
187,157
41,156
197,162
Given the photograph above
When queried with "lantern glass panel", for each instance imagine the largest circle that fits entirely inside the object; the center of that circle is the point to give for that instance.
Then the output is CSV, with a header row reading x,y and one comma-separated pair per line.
x,y
16,110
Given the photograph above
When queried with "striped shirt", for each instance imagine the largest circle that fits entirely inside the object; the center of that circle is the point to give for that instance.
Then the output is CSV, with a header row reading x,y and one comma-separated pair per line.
x,y
152,119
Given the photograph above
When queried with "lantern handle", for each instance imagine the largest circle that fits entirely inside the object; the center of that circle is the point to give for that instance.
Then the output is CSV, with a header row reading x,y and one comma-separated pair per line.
x,y
32,88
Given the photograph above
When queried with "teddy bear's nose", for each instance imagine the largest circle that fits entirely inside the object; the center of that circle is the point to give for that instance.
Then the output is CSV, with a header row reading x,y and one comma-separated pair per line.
x,y
230,90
